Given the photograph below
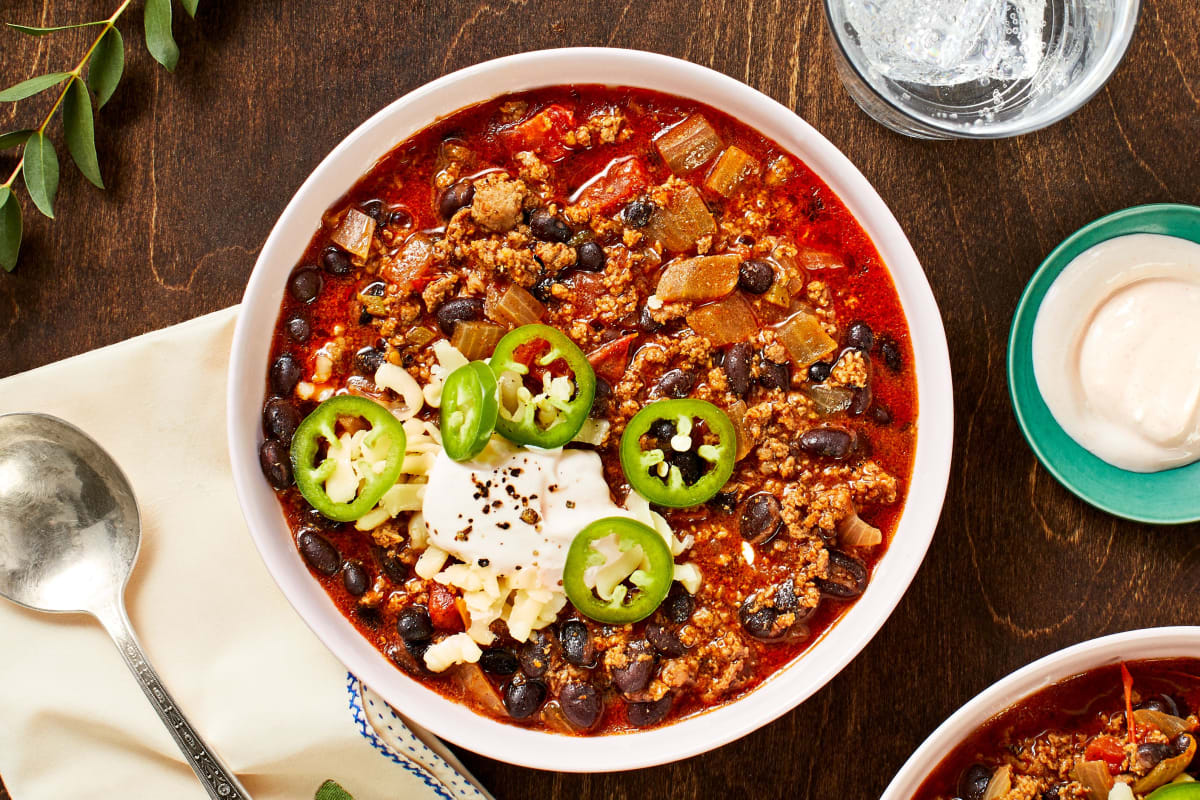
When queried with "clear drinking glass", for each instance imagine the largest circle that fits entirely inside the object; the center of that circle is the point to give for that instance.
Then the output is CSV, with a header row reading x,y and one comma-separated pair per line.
x,y
976,69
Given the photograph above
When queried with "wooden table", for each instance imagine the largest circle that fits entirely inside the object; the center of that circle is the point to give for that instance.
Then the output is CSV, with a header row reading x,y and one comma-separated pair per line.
x,y
200,163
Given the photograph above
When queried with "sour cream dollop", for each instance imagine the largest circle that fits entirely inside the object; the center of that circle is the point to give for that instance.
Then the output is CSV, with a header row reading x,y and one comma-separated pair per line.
x,y
516,509
1116,351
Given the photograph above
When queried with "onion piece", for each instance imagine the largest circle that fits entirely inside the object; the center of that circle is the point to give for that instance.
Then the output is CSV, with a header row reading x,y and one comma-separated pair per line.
x,y
519,306
806,341
1095,777
733,168
684,220
1166,770
725,321
475,339
477,687
1171,726
809,258
737,415
354,234
830,399
699,279
1000,784
411,262
689,144
854,532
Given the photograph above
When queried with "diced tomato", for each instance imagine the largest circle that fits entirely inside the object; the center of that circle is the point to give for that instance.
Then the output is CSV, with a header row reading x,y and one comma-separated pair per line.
x,y
1107,749
443,611
619,183
529,353
610,359
542,133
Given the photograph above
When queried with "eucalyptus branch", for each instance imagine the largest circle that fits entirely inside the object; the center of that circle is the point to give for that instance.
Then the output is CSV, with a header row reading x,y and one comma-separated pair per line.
x,y
104,61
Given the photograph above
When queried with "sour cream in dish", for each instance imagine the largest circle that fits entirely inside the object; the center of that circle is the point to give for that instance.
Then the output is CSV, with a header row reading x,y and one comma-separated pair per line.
x,y
1116,351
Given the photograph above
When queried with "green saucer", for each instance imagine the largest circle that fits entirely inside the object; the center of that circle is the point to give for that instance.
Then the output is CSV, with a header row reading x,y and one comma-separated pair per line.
x,y
1164,498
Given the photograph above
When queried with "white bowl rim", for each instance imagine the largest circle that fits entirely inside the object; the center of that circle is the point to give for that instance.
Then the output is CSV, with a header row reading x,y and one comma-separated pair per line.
x,y
1181,641
452,721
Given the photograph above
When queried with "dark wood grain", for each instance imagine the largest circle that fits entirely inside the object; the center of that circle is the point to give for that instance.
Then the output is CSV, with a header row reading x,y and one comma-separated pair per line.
x,y
199,165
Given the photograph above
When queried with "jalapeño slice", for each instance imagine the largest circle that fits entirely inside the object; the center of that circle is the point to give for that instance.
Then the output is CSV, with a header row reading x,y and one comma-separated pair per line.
x,y
360,466
470,404
677,468
637,554
546,386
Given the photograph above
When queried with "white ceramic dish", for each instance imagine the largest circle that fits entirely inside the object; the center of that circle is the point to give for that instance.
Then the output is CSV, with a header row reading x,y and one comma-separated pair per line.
x,y
354,157
1179,642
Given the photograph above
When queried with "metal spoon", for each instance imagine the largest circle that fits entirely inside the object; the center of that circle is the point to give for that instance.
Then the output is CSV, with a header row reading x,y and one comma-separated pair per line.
x,y
69,534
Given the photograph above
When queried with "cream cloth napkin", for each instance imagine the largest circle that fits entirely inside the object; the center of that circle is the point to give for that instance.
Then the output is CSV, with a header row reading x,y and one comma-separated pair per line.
x,y
255,681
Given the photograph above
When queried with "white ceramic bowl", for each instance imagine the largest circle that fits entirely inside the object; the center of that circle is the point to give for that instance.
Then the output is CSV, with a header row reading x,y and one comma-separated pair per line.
x,y
354,157
1179,642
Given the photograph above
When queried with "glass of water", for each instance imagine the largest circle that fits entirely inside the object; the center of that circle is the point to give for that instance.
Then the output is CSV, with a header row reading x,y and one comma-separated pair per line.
x,y
976,69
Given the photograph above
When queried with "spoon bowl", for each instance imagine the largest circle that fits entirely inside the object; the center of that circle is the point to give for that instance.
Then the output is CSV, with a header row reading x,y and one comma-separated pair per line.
x,y
69,534
69,525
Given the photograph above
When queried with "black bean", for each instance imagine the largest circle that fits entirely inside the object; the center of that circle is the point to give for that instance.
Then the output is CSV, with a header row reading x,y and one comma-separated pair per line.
x,y
679,605
860,336
635,675
375,289
1053,793
723,501
820,371
548,227
847,576
355,578
458,310
602,400
393,566
523,698
691,467
315,519
369,616
457,196
1150,753
576,643
760,622
890,350
298,328
400,218
375,209
663,430
280,419
276,463
305,284
773,375
285,374
676,383
827,442
665,640
785,600
417,648
1164,704
643,715
320,554
368,360
860,401
581,704
1181,743
337,261
974,782
762,516
589,256
755,276
637,214
880,414
544,289
535,654
738,367
499,661
647,323
414,623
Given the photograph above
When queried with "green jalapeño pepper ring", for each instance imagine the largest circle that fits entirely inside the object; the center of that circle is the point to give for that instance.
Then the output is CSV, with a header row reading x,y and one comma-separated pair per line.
x,y
546,386
1176,791
470,404
358,467
660,476
639,555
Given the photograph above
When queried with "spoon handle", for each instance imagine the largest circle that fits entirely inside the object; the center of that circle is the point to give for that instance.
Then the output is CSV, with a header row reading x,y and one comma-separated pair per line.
x,y
220,782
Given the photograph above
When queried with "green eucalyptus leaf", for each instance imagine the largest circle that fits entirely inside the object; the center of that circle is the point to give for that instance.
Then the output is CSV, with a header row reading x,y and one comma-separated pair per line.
x,y
10,229
41,172
32,86
36,31
80,132
190,6
13,139
106,65
159,39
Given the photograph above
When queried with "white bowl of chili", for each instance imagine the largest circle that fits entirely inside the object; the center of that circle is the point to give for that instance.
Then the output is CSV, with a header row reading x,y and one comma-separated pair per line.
x,y
453,721
1039,712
